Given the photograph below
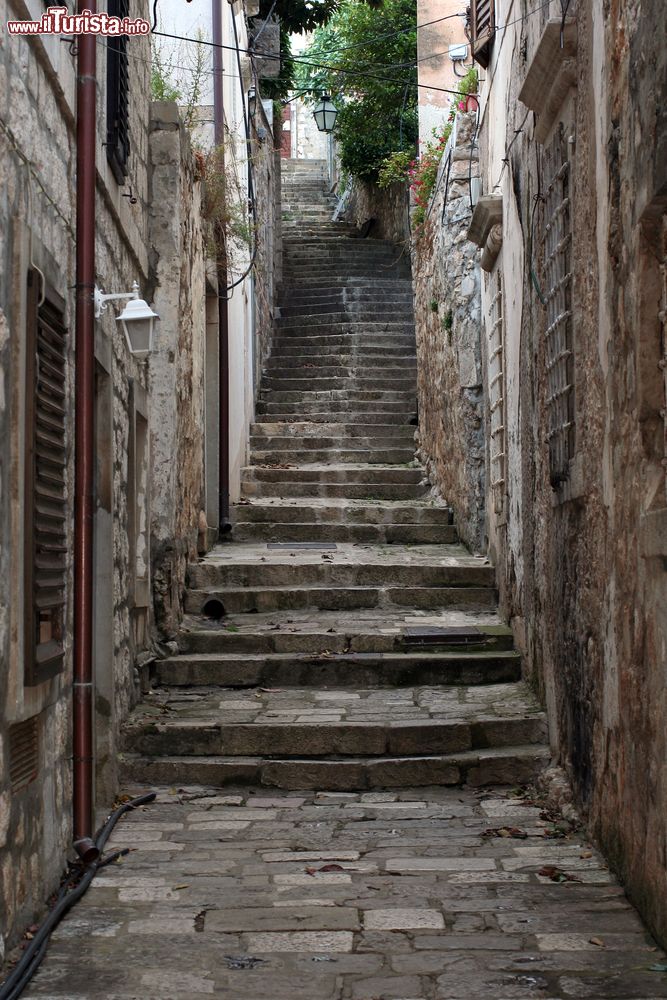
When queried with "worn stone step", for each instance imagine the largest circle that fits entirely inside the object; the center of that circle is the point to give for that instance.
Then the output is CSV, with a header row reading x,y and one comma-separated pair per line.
x,y
286,353
367,333
355,384
379,454
307,722
344,512
455,633
331,670
507,766
378,534
246,600
363,414
262,433
344,474
319,369
324,343
357,491
361,316
234,572
399,399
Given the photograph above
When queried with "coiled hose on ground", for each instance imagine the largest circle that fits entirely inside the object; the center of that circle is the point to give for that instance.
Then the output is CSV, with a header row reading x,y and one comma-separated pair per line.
x,y
15,984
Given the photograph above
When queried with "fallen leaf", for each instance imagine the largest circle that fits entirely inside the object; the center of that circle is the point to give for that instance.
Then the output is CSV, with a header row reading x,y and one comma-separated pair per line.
x,y
658,967
586,854
186,885
598,942
506,831
557,874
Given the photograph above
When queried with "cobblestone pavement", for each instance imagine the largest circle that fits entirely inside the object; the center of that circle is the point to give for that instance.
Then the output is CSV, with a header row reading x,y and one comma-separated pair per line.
x,y
417,895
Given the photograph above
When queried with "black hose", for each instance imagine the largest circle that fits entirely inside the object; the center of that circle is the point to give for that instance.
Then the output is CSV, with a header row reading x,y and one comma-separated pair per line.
x,y
14,986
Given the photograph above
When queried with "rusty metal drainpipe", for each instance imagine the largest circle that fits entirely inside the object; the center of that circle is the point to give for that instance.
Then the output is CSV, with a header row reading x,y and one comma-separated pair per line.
x,y
223,316
84,430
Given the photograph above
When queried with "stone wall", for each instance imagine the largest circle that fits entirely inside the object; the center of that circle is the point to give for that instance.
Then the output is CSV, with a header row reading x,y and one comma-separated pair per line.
x,y
581,562
451,439
177,365
364,201
268,261
37,213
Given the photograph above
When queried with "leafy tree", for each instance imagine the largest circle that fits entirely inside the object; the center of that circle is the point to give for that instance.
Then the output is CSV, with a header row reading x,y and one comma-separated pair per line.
x,y
373,80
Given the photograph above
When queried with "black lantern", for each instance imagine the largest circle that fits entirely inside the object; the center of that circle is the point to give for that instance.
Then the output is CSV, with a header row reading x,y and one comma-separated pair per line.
x,y
325,114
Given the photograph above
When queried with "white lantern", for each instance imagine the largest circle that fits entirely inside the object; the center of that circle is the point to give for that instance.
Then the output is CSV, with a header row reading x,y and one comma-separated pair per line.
x,y
137,319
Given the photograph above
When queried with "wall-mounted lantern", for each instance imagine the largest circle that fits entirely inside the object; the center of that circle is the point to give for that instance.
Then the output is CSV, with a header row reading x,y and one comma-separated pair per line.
x,y
137,319
325,114
252,102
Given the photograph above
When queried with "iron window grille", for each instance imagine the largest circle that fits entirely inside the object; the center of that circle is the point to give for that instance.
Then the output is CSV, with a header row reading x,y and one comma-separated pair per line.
x,y
118,126
46,514
496,376
560,401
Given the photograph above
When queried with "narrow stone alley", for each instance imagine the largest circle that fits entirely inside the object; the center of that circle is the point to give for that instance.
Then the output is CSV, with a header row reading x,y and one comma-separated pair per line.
x,y
327,739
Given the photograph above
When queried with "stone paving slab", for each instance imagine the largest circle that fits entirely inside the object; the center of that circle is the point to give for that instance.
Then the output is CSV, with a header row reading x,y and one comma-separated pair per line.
x,y
348,896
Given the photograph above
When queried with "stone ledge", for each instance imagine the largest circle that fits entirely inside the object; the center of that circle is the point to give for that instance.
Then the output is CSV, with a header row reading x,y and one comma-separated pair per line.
x,y
487,214
551,74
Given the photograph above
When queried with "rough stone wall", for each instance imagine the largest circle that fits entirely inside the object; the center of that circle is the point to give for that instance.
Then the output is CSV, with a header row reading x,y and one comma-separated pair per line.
x,y
449,360
177,364
37,219
581,567
267,272
387,208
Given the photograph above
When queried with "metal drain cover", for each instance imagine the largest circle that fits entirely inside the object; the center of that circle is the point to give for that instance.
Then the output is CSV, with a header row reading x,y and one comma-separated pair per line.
x,y
454,636
302,545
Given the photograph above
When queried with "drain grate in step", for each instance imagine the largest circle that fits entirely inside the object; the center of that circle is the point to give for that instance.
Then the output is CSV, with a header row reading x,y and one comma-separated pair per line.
x,y
287,546
452,636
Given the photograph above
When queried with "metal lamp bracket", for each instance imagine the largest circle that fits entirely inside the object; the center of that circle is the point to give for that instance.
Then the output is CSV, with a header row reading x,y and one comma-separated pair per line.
x,y
101,299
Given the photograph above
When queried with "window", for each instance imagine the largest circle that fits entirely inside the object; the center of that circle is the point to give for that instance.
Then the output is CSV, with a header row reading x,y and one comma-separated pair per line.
x,y
496,376
45,488
560,402
482,27
118,132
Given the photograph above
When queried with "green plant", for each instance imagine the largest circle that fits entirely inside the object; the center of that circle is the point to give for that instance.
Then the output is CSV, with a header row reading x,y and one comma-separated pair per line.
x,y
448,323
228,231
377,110
395,168
434,305
178,75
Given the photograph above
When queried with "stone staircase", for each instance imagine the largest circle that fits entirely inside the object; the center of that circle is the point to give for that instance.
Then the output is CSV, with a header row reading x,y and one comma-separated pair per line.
x,y
343,638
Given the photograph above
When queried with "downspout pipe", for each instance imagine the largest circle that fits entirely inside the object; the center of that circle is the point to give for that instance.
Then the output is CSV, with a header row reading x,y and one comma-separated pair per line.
x,y
224,525
84,392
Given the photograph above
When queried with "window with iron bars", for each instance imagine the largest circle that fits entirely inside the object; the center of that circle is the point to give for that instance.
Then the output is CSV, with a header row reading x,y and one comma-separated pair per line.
x,y
560,401
496,376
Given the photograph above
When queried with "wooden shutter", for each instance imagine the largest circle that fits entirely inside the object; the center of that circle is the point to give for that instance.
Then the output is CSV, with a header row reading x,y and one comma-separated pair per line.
x,y
118,131
45,489
482,21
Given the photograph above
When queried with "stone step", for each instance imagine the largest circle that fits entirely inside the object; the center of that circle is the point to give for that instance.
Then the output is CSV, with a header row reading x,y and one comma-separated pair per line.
x,y
357,317
367,333
378,534
364,413
347,340
285,353
210,576
316,442
332,670
398,398
247,600
360,308
344,474
320,433
344,512
350,384
323,369
507,766
377,454
313,723
372,632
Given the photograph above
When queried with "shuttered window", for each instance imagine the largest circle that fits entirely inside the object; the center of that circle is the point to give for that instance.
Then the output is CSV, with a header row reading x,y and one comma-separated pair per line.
x,y
482,27
118,131
45,488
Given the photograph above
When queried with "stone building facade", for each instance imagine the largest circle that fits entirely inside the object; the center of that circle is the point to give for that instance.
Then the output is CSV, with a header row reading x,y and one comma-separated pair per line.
x,y
569,230
156,420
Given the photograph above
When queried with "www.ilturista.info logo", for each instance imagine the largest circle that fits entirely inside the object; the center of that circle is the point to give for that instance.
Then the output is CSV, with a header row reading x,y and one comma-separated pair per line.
x,y
58,21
